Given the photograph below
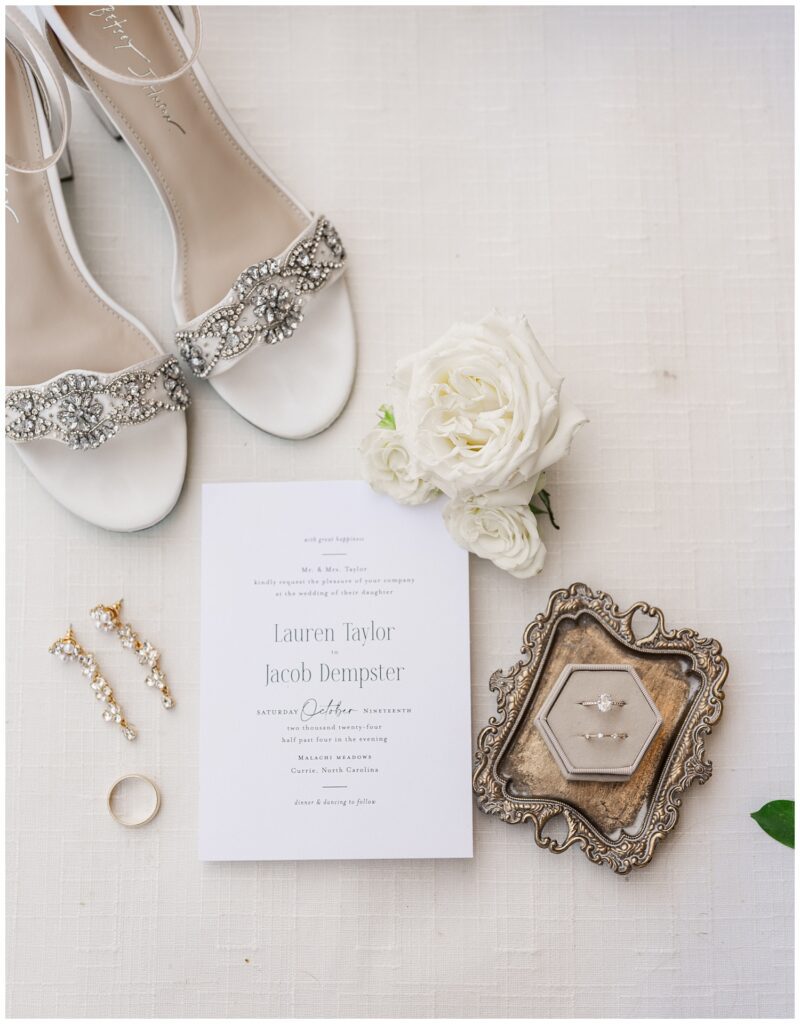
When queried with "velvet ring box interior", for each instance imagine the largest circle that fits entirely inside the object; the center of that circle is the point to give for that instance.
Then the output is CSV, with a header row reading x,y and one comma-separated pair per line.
x,y
598,722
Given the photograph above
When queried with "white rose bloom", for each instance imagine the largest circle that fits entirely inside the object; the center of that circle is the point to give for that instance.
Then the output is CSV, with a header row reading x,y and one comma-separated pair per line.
x,y
481,410
509,537
387,470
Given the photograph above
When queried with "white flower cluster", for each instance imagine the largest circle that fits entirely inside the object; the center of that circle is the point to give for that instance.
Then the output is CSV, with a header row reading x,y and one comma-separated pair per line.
x,y
477,416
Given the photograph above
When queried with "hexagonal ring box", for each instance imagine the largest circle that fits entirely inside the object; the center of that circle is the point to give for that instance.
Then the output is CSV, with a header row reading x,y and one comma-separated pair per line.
x,y
598,722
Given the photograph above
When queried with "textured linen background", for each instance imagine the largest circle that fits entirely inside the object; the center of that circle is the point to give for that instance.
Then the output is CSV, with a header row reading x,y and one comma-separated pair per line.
x,y
625,177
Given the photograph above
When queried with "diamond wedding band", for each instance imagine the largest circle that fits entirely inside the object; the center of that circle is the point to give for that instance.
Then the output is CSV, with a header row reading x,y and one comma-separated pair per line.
x,y
603,703
605,735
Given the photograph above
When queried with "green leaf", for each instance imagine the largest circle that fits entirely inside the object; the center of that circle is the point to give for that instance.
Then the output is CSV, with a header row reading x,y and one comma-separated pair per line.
x,y
387,418
547,510
777,820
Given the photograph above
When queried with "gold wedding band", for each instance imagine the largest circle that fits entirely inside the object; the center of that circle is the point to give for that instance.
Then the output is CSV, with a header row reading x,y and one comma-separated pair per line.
x,y
150,816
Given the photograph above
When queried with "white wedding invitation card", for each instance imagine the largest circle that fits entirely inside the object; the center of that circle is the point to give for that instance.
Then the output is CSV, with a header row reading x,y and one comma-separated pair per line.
x,y
335,712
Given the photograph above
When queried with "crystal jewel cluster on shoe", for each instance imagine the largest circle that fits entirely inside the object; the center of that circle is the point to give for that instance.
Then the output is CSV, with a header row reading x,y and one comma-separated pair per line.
x,y
84,410
266,303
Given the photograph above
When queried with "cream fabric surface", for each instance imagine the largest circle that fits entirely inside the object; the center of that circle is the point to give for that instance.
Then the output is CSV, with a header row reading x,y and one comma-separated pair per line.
x,y
622,175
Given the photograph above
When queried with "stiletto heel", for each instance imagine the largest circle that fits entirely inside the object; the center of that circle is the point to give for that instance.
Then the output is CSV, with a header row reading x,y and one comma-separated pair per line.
x,y
279,343
107,439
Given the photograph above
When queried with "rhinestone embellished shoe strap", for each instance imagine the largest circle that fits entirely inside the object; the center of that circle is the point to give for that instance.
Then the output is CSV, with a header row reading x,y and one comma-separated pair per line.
x,y
84,410
266,303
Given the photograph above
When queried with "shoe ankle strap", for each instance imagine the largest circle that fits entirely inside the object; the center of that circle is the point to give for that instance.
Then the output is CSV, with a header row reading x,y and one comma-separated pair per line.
x,y
183,14
33,51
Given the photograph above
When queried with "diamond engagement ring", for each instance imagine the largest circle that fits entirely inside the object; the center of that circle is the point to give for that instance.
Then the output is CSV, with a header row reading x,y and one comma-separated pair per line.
x,y
605,735
603,703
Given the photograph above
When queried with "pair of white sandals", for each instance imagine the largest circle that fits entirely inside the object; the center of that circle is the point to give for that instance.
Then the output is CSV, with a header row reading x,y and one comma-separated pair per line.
x,y
94,405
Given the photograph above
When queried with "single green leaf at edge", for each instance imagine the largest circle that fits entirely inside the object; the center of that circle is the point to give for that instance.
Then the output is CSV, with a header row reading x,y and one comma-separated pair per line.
x,y
387,420
777,820
547,510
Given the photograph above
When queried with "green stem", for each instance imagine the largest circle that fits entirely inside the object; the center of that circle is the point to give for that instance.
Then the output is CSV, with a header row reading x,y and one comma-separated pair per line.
x,y
547,510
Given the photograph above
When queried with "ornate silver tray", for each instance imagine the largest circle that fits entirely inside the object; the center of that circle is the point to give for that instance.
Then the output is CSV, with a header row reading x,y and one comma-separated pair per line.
x,y
619,823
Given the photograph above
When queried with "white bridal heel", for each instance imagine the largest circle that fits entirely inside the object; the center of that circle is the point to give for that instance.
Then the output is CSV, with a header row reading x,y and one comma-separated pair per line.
x,y
93,406
258,289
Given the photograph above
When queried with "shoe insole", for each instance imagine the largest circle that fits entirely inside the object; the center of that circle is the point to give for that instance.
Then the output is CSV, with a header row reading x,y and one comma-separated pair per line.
x,y
227,211
55,321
